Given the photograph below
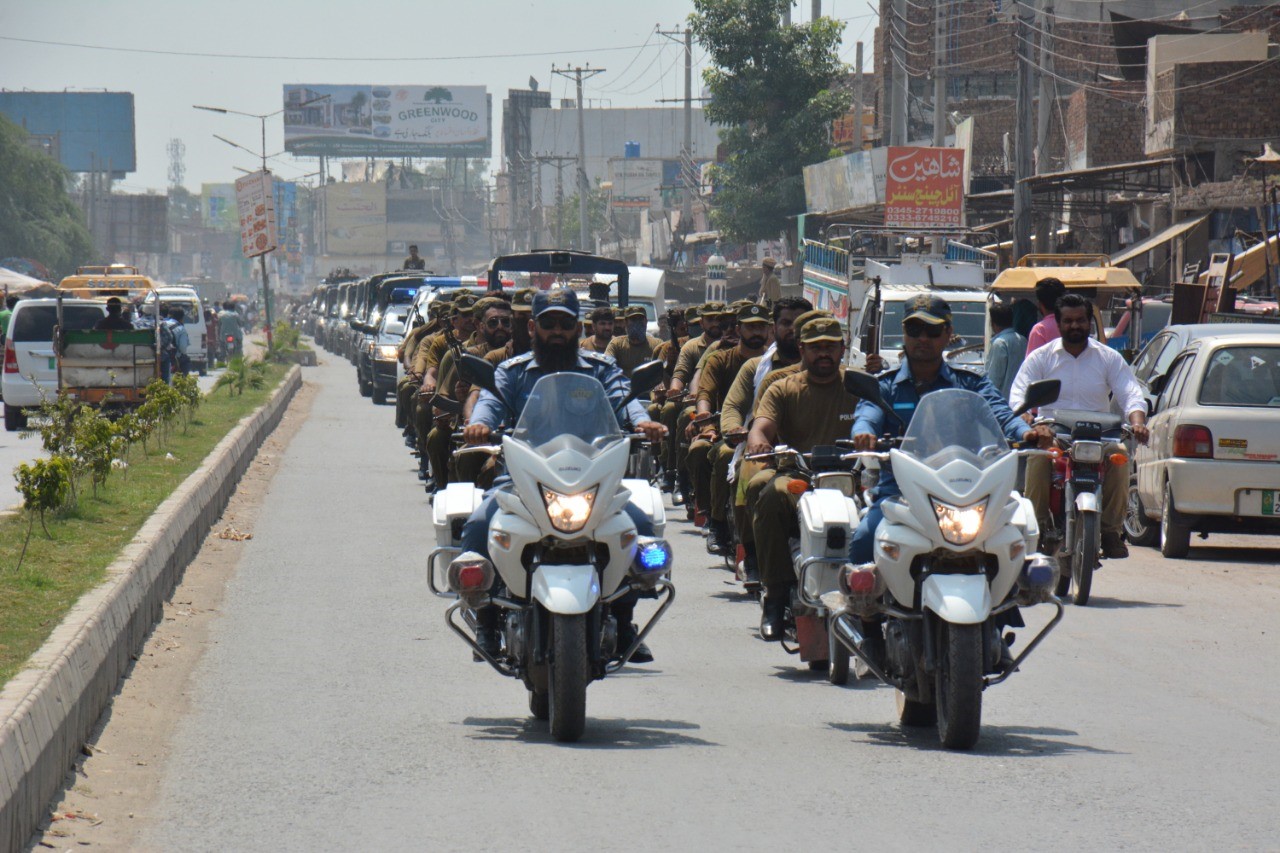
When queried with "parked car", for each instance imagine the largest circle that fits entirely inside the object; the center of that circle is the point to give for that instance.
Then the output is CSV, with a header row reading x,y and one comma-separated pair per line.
x,y
1213,462
30,375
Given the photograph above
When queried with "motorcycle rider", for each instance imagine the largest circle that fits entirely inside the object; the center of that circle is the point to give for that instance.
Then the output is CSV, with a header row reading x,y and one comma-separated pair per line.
x,y
926,329
554,331
229,326
433,438
717,376
1091,374
601,330
636,346
805,410
709,314
494,321
668,352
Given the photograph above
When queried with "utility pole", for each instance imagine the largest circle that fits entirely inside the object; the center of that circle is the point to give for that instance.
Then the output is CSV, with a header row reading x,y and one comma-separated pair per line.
x,y
939,73
686,151
1043,222
816,8
786,14
857,100
1024,138
559,162
898,69
579,74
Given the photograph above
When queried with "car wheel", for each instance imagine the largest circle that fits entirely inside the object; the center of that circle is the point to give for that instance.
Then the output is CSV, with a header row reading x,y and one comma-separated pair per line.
x,y
14,418
1139,529
1175,532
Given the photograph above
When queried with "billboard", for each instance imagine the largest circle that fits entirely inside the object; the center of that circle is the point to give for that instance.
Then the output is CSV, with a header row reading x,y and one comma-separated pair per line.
x,y
924,187
218,207
355,218
84,131
387,121
255,200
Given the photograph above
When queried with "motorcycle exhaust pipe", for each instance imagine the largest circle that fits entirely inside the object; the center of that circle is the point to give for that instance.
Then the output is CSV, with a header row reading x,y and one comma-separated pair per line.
x,y
851,638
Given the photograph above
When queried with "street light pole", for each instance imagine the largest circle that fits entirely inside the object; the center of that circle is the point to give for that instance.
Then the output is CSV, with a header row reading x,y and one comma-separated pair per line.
x,y
262,258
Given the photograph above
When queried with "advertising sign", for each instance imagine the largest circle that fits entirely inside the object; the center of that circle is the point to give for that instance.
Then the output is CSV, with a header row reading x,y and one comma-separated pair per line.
x,y
924,187
85,131
355,218
391,121
255,199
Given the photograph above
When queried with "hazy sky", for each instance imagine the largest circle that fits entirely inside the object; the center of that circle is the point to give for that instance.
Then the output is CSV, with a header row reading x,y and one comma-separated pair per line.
x,y
614,34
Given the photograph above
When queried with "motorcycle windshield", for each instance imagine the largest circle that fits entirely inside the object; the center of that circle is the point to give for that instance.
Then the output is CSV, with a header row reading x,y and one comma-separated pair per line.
x,y
954,424
568,411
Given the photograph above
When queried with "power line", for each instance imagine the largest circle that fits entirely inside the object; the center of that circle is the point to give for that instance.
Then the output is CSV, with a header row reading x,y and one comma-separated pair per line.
x,y
115,49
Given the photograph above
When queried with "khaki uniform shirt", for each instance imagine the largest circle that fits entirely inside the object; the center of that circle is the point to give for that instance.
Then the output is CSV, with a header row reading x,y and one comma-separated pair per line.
x,y
735,411
592,345
775,376
409,346
630,356
688,358
667,352
428,353
447,375
808,414
718,372
770,288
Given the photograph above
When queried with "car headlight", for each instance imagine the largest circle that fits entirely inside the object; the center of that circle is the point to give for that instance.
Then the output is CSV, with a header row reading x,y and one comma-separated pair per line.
x,y
1087,451
568,513
386,353
959,524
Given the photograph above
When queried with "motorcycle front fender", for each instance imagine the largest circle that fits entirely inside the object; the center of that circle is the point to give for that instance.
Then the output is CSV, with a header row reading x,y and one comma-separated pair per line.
x,y
567,590
958,599
1087,501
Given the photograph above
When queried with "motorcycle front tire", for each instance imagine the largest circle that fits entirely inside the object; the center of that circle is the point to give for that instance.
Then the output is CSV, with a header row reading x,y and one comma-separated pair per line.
x,y
1084,557
958,686
568,675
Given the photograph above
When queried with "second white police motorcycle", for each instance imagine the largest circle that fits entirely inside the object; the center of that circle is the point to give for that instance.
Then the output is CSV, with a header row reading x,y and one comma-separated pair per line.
x,y
562,547
955,551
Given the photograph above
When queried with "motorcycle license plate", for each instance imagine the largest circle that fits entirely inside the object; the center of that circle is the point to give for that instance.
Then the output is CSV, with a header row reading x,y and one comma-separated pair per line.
x,y
1270,504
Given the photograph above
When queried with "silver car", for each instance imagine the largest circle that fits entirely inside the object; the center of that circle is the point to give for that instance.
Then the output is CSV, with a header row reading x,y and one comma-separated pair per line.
x,y
1213,462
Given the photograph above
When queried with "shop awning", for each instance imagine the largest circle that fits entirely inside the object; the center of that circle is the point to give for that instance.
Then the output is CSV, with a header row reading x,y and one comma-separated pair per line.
x,y
1155,241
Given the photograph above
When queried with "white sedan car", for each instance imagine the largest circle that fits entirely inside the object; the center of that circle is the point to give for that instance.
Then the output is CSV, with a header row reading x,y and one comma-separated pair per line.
x,y
1213,462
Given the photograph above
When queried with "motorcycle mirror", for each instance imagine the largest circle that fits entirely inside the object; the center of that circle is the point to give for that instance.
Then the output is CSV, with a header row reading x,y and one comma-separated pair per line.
x,y
645,378
867,387
446,404
1039,394
476,371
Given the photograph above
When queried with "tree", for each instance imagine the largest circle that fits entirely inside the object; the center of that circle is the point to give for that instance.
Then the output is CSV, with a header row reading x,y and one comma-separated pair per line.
x,y
597,221
772,88
37,218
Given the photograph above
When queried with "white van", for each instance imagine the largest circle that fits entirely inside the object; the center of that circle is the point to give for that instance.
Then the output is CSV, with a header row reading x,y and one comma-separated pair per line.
x,y
30,375
188,300
646,287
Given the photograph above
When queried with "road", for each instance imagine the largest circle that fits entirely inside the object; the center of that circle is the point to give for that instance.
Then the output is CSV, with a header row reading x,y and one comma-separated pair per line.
x,y
330,708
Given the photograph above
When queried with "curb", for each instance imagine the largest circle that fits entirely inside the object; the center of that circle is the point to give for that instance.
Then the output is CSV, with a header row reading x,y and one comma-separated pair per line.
x,y
49,708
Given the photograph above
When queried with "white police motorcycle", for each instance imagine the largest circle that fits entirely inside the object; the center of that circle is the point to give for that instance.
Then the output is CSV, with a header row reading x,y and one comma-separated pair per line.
x,y
561,546
955,551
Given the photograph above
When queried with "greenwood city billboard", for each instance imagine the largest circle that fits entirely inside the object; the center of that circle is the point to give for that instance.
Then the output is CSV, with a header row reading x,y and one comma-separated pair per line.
x,y
388,121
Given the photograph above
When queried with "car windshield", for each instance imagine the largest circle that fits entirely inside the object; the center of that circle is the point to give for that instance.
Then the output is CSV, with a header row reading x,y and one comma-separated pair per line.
x,y
568,411
1242,376
968,323
954,424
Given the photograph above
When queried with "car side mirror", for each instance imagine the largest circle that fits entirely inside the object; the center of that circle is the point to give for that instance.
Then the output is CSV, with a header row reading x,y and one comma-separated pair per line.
x,y
1157,384
645,378
446,404
478,372
1039,394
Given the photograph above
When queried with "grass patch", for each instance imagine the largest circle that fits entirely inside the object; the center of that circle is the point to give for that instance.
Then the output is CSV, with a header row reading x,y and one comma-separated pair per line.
x,y
89,537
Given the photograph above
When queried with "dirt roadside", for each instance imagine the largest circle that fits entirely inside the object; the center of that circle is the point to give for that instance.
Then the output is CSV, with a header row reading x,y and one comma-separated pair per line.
x,y
108,797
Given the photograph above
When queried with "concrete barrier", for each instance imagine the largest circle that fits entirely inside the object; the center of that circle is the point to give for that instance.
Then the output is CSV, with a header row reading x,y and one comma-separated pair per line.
x,y
49,708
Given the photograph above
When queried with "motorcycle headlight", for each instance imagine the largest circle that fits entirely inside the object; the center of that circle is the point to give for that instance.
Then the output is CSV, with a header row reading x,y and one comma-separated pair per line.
x,y
386,353
959,524
569,513
1087,451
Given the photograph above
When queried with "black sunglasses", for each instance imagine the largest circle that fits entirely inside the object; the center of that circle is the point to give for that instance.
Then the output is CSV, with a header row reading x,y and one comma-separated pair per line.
x,y
495,322
922,330
557,320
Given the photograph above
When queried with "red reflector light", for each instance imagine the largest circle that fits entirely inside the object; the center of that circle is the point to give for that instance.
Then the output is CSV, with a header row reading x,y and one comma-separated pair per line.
x,y
471,578
1191,441
10,358
862,581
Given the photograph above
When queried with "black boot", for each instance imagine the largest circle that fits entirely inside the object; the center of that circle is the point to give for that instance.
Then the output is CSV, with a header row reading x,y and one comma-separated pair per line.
x,y
773,618
719,539
488,637
626,636
669,482
750,568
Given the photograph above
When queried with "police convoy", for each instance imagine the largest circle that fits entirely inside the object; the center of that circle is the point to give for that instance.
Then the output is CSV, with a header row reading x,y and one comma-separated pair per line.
x,y
552,468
